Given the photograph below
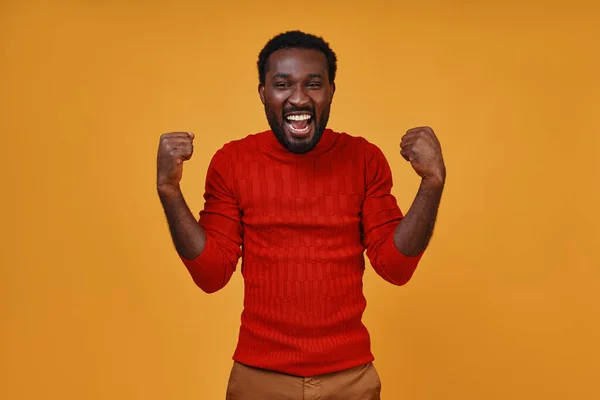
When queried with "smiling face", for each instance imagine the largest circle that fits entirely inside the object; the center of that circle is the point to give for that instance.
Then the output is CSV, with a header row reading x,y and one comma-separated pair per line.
x,y
297,97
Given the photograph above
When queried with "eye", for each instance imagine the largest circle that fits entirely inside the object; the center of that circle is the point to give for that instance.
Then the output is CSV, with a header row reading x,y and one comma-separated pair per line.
x,y
314,85
281,84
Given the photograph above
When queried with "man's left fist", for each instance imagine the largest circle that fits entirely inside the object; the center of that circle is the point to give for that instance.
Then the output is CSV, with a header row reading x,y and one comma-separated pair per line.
x,y
422,149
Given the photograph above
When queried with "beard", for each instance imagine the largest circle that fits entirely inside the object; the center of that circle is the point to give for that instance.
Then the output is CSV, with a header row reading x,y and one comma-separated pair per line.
x,y
276,122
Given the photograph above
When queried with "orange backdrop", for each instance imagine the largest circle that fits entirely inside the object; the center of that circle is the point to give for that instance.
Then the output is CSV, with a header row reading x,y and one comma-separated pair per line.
x,y
95,303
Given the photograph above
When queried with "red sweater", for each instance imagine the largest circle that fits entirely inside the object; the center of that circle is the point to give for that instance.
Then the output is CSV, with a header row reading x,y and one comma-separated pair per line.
x,y
301,224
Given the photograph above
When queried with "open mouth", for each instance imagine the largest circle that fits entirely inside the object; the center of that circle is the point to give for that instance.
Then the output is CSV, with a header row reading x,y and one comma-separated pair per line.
x,y
299,125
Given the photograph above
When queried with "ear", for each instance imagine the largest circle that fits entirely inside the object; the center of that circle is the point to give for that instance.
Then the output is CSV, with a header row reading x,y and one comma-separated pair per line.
x,y
332,91
261,92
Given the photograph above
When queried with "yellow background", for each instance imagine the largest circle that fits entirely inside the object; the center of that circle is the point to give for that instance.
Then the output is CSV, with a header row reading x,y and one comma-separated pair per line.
x,y
94,302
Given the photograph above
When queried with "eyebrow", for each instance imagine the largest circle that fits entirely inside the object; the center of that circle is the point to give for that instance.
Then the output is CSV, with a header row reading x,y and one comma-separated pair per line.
x,y
285,75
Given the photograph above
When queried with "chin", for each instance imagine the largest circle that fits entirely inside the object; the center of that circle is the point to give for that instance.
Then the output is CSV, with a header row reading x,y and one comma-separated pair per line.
x,y
300,145
299,140
294,142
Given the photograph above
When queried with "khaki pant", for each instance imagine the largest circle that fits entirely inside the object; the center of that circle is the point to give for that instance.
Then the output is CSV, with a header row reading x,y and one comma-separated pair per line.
x,y
248,383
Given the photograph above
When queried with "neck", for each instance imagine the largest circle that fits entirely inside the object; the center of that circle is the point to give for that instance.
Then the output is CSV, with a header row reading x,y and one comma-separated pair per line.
x,y
325,143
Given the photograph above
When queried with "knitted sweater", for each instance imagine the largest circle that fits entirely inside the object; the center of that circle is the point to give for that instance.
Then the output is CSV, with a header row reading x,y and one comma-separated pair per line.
x,y
301,224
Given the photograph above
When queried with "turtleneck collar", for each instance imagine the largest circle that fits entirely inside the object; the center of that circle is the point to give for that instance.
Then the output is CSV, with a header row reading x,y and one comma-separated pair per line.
x,y
271,145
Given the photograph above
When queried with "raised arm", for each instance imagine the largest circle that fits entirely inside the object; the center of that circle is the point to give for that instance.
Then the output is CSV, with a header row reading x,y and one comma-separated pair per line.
x,y
395,242
210,247
421,148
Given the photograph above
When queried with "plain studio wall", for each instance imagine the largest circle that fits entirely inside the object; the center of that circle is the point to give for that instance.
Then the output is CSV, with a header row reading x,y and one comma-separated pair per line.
x,y
96,305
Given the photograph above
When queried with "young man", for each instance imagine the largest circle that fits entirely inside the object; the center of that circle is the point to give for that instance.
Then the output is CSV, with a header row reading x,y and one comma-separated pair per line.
x,y
300,204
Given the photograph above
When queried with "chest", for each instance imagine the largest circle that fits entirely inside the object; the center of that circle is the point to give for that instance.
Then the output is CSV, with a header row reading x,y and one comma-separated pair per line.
x,y
326,189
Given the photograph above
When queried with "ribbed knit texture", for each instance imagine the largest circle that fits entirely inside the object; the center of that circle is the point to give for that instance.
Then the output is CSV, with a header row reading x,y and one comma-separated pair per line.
x,y
301,224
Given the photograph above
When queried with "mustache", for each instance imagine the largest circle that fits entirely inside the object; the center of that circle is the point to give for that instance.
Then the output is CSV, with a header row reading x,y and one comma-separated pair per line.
x,y
307,109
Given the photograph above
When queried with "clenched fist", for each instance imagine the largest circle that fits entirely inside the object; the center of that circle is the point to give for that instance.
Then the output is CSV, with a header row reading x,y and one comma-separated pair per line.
x,y
174,148
421,148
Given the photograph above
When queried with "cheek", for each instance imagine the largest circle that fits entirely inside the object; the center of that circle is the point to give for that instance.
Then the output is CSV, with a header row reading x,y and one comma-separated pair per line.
x,y
276,95
275,101
321,99
322,104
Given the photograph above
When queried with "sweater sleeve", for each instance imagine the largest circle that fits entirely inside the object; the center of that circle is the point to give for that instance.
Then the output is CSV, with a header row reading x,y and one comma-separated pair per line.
x,y
221,221
380,216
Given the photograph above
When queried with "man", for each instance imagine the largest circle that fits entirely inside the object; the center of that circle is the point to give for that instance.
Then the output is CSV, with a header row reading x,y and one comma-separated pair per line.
x,y
300,204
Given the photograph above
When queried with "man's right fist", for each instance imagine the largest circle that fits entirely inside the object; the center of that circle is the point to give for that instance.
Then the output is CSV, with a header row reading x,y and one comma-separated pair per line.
x,y
174,148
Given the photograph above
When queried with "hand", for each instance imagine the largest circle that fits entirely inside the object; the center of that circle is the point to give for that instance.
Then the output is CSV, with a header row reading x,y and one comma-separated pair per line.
x,y
421,148
174,148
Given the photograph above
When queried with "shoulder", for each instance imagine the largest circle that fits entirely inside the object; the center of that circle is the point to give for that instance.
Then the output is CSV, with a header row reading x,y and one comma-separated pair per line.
x,y
250,141
361,145
237,148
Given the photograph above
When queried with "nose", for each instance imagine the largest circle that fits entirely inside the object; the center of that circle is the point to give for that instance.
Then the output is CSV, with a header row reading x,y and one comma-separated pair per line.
x,y
298,97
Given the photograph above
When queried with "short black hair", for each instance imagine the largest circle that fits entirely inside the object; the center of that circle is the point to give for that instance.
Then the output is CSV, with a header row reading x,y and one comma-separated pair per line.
x,y
296,39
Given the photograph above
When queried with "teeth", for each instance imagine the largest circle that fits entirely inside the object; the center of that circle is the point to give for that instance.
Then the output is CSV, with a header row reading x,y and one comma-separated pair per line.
x,y
302,117
299,130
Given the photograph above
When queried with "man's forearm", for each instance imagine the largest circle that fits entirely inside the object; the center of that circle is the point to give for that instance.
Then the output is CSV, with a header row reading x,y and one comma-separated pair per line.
x,y
187,235
414,231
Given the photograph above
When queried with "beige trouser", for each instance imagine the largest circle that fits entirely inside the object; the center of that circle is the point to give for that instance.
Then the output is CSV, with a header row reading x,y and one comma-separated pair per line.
x,y
248,383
